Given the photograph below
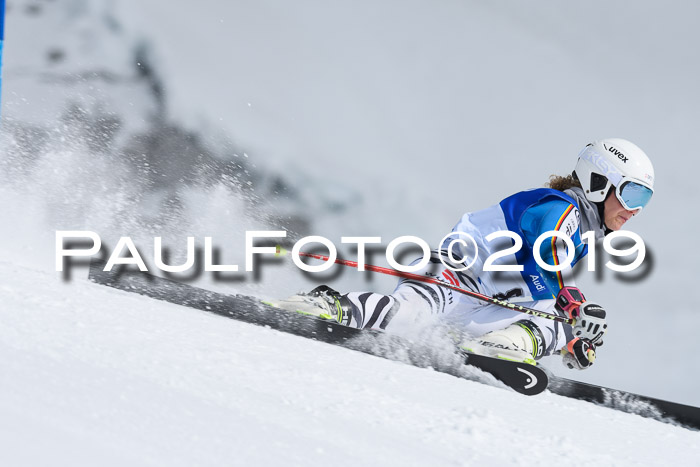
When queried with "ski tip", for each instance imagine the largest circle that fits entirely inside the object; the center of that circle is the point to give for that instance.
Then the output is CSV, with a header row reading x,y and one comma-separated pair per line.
x,y
279,251
525,378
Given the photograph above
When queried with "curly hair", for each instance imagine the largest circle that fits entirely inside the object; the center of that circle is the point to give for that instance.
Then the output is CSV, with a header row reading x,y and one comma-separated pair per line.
x,y
560,183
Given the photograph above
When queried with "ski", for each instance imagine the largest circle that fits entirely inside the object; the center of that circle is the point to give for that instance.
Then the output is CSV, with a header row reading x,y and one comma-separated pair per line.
x,y
523,378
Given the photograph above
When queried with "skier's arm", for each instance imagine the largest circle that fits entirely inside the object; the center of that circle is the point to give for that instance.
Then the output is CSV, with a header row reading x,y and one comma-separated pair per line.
x,y
561,216
558,215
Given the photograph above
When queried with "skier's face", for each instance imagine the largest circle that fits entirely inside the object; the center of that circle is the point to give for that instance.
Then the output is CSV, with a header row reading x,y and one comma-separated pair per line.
x,y
616,215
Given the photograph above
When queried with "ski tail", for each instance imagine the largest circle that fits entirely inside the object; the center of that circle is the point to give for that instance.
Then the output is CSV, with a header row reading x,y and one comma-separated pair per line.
x,y
648,407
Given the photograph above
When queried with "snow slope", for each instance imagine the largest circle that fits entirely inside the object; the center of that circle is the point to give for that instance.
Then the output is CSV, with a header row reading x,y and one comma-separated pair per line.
x,y
92,375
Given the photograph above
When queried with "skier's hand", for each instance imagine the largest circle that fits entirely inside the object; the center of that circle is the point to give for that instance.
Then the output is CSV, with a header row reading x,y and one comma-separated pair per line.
x,y
578,353
589,317
569,299
590,323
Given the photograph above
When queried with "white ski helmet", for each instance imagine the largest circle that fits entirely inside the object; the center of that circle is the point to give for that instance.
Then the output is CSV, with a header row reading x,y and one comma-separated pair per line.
x,y
619,163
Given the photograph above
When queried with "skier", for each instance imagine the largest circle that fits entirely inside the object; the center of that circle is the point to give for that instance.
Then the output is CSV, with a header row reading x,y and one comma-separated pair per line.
x,y
613,181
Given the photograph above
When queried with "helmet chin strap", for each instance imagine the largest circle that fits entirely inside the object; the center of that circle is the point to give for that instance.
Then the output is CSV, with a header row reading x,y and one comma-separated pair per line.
x,y
601,211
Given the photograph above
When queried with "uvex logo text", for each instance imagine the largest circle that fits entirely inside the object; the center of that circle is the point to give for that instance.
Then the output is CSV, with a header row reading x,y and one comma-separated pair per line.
x,y
619,155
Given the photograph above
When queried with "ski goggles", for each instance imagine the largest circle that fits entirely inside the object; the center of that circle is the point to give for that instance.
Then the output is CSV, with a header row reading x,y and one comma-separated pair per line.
x,y
633,195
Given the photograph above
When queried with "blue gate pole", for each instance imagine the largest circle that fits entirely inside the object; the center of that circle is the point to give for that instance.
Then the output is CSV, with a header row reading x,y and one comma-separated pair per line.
x,y
2,40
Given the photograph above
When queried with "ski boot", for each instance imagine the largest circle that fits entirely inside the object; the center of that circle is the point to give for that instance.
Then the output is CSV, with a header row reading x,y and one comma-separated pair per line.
x,y
322,302
520,342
